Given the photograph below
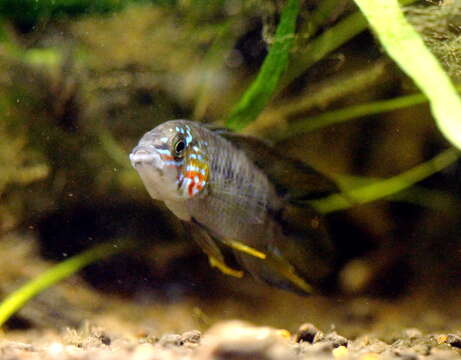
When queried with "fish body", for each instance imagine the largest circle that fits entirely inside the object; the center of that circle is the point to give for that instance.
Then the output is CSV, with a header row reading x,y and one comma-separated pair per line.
x,y
237,191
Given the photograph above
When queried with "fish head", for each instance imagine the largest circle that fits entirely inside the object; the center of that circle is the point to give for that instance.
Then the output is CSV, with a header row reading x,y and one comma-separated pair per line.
x,y
171,161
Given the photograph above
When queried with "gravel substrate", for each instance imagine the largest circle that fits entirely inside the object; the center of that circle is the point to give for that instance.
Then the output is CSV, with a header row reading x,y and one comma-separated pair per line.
x,y
233,340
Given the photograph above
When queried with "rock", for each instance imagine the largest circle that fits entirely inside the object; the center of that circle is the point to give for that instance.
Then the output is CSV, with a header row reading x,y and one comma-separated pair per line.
x,y
237,340
454,340
306,333
368,356
171,340
144,352
413,333
106,340
192,337
341,351
334,339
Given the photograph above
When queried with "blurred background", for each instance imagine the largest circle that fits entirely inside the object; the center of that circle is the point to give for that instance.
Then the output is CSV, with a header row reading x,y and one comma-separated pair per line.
x,y
81,81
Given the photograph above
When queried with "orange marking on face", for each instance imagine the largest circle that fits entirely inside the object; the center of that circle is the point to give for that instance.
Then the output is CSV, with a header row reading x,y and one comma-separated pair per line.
x,y
195,175
190,189
166,157
192,174
195,185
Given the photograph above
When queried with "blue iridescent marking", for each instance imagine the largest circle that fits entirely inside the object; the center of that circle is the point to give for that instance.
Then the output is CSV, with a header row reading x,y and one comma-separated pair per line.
x,y
163,151
176,163
189,135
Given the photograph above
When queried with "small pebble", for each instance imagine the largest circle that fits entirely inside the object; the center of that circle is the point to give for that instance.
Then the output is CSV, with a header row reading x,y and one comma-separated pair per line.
x,y
454,340
306,333
422,349
405,355
340,351
321,348
144,352
413,333
441,354
105,339
169,340
370,356
442,339
335,339
377,346
237,340
191,337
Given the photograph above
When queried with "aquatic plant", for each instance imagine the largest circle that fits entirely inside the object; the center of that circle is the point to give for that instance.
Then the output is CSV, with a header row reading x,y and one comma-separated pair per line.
x,y
407,48
319,44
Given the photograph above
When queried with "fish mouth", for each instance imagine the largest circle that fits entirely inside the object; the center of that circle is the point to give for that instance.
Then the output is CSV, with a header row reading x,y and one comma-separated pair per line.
x,y
147,162
143,155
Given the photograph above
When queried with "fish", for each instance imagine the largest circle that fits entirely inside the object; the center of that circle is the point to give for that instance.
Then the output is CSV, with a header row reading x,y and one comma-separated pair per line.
x,y
238,194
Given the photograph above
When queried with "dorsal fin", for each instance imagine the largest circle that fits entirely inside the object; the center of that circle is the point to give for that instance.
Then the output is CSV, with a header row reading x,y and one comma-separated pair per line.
x,y
292,178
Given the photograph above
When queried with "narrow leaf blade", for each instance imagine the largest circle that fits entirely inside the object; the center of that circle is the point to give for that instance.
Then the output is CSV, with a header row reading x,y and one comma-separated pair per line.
x,y
406,47
263,87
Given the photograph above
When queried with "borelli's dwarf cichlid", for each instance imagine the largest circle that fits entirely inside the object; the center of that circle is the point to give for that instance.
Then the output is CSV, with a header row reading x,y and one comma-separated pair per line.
x,y
236,191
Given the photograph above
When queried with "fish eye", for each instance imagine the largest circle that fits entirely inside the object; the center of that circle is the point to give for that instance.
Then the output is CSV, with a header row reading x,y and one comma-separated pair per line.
x,y
179,147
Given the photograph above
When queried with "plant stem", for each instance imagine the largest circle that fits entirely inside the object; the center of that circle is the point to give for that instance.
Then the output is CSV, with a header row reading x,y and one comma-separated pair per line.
x,y
348,113
262,89
325,43
318,17
277,119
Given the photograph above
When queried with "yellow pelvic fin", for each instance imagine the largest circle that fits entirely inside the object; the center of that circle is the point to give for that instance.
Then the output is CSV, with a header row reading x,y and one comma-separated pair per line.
x,y
214,262
237,245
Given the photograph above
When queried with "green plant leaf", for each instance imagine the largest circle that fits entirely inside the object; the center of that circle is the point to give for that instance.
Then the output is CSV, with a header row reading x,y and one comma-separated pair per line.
x,y
387,187
406,47
261,90
326,43
349,113
12,303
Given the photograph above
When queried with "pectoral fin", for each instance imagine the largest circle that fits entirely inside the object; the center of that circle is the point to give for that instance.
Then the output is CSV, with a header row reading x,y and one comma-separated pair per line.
x,y
209,247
